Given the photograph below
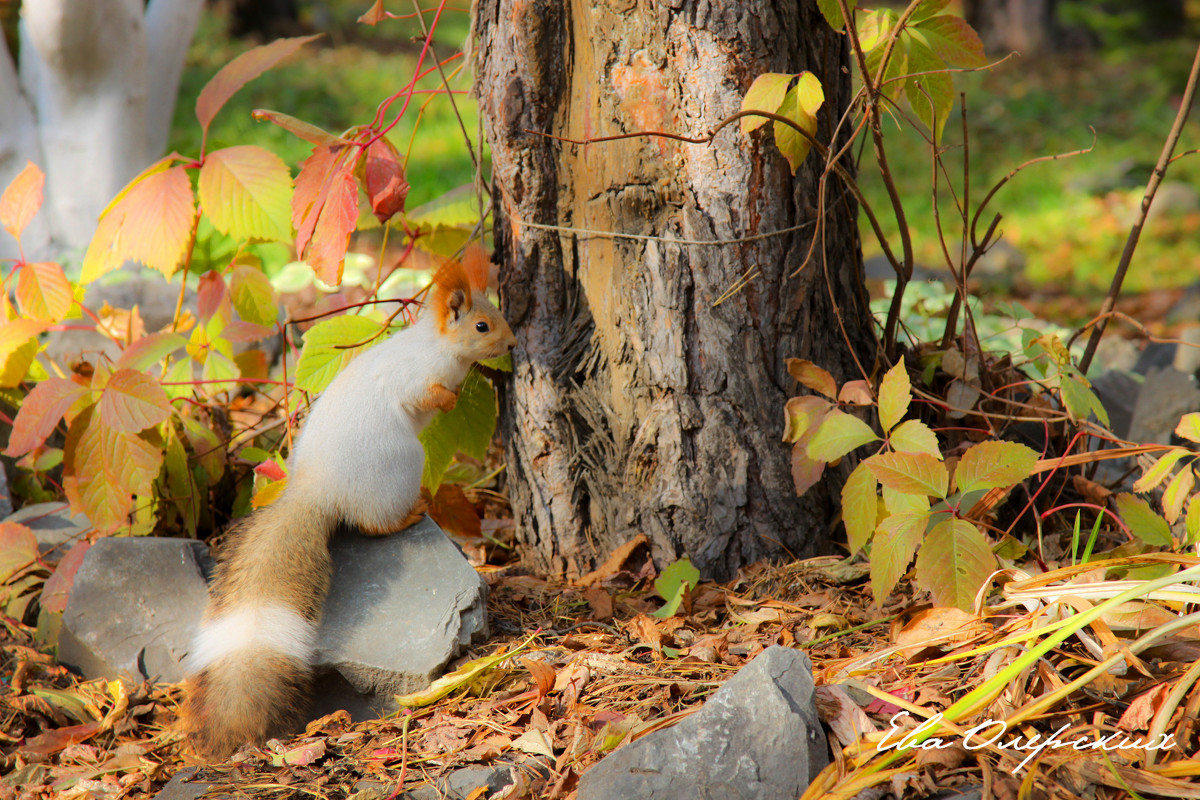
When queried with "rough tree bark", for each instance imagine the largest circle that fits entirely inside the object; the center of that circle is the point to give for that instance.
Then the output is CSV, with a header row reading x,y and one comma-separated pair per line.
x,y
637,403
91,105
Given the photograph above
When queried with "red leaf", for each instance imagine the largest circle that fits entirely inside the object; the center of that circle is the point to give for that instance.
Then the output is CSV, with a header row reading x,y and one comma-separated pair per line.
x,y
210,294
41,411
18,548
325,210
243,69
454,512
270,469
44,292
58,587
133,401
383,180
21,199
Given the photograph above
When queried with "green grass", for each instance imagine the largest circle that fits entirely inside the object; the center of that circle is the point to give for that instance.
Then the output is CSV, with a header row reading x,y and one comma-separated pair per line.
x,y
1070,218
337,87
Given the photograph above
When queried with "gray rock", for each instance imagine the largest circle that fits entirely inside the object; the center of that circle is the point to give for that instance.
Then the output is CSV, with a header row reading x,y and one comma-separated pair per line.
x,y
180,787
134,607
1118,393
399,609
53,524
758,737
1166,396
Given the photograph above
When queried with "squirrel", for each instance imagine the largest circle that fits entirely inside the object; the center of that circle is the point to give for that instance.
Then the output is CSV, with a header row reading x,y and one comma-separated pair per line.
x,y
357,462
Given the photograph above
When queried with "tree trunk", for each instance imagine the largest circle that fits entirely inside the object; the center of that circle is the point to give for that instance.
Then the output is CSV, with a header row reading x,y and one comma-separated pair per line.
x,y
1029,27
91,105
638,403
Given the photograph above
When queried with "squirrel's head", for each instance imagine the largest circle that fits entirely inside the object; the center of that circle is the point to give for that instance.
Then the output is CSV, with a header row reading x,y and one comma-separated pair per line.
x,y
464,314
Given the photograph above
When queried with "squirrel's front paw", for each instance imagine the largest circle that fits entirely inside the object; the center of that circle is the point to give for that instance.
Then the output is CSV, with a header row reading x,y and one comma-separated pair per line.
x,y
442,398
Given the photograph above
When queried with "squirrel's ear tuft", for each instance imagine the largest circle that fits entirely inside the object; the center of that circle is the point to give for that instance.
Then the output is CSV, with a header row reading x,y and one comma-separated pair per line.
x,y
451,292
478,266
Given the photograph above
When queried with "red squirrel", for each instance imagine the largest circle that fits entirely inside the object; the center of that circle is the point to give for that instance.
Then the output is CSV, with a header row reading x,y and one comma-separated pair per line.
x,y
357,461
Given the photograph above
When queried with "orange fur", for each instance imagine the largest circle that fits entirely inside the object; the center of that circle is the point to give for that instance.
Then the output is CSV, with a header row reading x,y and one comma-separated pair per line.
x,y
478,266
450,278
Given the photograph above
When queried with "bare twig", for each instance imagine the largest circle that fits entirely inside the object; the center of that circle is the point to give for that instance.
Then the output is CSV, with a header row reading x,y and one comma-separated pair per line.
x,y
1160,170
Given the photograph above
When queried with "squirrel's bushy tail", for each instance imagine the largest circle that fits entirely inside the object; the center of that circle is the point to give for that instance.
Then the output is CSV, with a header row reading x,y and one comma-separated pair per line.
x,y
250,665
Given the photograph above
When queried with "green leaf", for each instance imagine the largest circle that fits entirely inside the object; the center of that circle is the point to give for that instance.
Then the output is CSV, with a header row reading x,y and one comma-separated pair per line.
x,y
765,94
895,502
932,95
812,376
800,105
1079,398
468,427
801,414
1177,493
1142,521
860,507
253,296
462,676
675,582
914,436
953,40
1160,470
896,541
1192,521
927,8
833,12
895,394
500,363
911,473
1189,427
246,193
953,563
838,434
327,349
994,465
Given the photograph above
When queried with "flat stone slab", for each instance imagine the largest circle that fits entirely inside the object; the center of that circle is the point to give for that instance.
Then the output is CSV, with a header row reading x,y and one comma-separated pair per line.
x,y
758,737
400,607
134,607
55,527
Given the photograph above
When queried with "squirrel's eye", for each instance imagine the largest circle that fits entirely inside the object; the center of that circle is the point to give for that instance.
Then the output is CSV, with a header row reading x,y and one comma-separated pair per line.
x,y
481,326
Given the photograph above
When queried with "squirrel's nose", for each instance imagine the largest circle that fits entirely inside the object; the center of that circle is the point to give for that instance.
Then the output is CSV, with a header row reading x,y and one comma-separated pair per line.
x,y
511,341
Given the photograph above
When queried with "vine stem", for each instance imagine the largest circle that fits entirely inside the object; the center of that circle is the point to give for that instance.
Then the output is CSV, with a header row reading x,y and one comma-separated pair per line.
x,y
1156,177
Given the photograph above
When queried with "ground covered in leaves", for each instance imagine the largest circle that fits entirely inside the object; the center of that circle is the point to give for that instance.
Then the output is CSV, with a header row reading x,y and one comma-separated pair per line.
x,y
592,667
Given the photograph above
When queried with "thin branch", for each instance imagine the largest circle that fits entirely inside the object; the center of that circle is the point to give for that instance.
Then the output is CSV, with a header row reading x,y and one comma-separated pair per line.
x,y
1160,170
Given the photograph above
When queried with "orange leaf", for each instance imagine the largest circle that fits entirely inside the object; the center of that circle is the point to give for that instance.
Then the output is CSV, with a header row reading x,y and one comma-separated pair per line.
x,y
58,739
543,675
44,292
41,411
373,15
454,512
246,193
17,332
18,548
133,401
58,586
103,468
21,199
150,221
383,179
306,131
325,210
243,69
